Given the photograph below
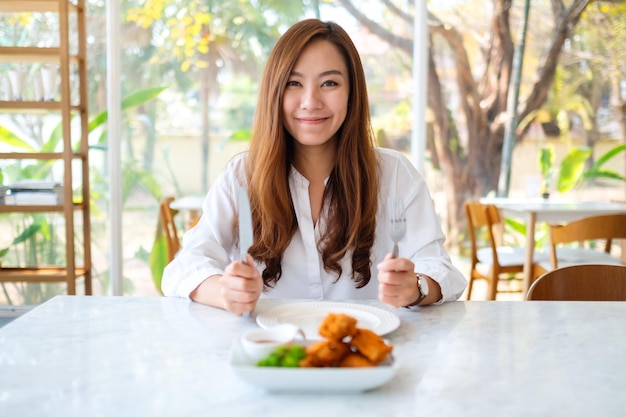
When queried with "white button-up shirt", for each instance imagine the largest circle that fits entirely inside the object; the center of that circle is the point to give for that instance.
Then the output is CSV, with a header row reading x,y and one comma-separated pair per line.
x,y
210,246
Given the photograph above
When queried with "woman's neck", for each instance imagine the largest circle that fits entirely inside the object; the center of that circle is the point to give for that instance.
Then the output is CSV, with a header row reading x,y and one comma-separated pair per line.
x,y
315,163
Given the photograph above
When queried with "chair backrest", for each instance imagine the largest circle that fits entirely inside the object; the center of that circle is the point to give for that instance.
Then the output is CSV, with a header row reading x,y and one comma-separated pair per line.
x,y
601,227
169,227
482,215
581,283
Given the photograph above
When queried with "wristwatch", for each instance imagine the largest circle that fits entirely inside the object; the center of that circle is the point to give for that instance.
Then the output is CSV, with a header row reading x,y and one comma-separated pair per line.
x,y
422,286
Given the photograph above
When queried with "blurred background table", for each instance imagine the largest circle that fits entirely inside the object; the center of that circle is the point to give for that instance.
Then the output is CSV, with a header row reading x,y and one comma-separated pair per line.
x,y
539,210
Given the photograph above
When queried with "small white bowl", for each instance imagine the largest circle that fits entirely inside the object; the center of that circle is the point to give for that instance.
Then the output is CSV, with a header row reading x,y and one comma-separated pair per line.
x,y
258,344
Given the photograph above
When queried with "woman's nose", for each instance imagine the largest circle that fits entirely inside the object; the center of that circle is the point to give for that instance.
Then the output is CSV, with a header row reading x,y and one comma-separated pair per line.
x,y
310,99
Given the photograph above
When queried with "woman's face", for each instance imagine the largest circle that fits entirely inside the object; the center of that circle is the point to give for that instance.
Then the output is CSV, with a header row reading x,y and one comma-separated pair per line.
x,y
315,100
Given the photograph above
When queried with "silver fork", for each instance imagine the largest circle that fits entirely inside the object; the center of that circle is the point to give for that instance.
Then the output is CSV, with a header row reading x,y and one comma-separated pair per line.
x,y
398,223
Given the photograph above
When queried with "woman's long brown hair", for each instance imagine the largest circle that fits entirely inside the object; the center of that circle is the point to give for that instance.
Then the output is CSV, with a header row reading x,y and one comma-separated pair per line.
x,y
352,189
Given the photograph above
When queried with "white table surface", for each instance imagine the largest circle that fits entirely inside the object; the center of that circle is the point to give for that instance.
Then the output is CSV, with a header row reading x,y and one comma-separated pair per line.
x,y
538,210
128,356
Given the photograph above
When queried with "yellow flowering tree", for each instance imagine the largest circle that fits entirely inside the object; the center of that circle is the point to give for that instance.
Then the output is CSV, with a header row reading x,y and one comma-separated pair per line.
x,y
207,37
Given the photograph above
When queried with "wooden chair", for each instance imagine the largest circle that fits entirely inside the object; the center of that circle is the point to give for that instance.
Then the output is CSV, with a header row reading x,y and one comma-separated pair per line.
x,y
588,282
169,227
491,262
602,228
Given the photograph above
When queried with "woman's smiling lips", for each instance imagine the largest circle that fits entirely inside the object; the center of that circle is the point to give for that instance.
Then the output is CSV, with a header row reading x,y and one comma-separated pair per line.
x,y
311,120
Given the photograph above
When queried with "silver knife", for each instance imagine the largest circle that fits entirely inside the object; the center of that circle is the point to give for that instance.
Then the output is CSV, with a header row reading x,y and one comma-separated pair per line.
x,y
245,225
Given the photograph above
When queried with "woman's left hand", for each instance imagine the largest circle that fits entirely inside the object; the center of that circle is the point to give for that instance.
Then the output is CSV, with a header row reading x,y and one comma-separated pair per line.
x,y
397,284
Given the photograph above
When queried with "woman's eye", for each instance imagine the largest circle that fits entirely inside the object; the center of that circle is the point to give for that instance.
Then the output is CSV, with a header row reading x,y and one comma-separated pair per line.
x,y
292,83
330,83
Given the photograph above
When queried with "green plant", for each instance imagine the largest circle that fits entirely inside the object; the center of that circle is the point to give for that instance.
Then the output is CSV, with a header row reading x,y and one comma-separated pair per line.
x,y
26,235
596,172
546,160
22,237
571,170
158,257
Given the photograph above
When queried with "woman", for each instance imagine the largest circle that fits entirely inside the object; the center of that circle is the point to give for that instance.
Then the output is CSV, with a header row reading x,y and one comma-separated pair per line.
x,y
318,191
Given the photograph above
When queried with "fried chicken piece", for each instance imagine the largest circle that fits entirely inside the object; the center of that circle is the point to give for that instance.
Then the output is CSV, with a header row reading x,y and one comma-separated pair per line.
x,y
307,363
336,326
325,353
355,360
345,345
370,345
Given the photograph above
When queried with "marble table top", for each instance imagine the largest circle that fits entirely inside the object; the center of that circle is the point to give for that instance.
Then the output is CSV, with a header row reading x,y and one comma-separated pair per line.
x,y
554,210
130,356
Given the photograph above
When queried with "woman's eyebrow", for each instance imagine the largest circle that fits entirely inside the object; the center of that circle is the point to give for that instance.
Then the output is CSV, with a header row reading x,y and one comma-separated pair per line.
x,y
323,74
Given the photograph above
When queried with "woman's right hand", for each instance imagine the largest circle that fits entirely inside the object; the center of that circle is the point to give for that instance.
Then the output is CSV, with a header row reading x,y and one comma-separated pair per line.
x,y
240,287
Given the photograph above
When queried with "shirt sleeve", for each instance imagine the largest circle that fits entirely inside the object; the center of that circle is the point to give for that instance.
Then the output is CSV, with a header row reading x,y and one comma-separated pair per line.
x,y
209,246
424,240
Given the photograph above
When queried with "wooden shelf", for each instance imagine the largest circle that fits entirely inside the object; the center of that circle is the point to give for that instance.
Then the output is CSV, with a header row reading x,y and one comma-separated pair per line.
x,y
71,64
34,107
16,105
39,156
18,208
35,6
38,274
32,54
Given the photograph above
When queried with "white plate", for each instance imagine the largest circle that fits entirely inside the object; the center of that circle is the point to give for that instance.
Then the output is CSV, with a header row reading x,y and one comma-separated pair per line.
x,y
310,380
309,315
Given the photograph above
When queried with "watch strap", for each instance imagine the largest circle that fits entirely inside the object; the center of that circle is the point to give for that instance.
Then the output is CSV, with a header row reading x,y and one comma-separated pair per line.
x,y
418,277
